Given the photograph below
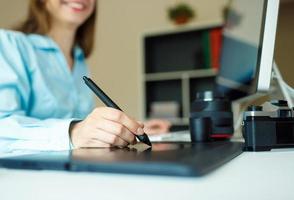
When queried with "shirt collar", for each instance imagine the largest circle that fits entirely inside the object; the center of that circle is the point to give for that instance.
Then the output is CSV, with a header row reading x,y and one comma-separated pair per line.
x,y
44,42
78,53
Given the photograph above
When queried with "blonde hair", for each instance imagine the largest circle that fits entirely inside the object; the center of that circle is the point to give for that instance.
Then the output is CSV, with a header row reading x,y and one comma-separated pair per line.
x,y
38,21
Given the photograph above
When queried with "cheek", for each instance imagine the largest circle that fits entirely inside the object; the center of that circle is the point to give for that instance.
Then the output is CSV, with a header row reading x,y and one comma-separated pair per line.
x,y
55,9
83,17
92,8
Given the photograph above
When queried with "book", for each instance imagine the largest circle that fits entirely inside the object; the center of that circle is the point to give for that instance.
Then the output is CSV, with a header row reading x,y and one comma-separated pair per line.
x,y
215,36
206,49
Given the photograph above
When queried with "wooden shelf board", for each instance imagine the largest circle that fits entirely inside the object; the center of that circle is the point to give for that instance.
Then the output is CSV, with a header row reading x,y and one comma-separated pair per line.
x,y
199,73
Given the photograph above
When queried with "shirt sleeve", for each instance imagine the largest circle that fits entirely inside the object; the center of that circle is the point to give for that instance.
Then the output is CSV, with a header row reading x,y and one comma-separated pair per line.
x,y
17,129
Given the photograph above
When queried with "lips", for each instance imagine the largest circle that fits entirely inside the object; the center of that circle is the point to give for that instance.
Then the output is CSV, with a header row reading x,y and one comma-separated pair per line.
x,y
76,5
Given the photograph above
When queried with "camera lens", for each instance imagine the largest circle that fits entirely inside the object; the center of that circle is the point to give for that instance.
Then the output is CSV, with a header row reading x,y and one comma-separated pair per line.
x,y
211,117
208,95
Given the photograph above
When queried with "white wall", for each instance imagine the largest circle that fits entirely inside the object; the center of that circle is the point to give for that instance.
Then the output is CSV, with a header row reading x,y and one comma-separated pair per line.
x,y
284,51
116,63
12,11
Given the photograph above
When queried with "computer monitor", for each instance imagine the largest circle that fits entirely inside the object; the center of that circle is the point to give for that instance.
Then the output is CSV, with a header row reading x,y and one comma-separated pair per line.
x,y
248,48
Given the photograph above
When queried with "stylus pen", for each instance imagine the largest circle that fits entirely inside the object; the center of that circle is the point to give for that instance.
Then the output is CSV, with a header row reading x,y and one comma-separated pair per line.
x,y
108,102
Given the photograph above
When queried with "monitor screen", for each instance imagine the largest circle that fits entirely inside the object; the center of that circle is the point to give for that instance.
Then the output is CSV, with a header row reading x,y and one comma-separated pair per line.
x,y
241,49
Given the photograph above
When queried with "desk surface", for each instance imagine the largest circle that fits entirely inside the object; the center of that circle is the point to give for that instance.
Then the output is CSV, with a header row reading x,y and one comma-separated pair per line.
x,y
262,175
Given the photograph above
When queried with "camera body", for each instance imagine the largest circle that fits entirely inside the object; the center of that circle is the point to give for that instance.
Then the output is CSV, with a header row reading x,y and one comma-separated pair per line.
x,y
211,117
268,126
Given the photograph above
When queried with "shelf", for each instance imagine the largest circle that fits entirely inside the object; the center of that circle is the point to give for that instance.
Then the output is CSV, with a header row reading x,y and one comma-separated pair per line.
x,y
172,92
177,121
199,73
175,67
199,25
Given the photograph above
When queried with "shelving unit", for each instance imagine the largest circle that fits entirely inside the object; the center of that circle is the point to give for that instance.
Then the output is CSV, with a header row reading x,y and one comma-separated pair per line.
x,y
173,68
200,73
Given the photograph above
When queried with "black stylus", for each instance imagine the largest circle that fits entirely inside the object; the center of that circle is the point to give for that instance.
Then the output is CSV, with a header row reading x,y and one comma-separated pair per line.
x,y
108,102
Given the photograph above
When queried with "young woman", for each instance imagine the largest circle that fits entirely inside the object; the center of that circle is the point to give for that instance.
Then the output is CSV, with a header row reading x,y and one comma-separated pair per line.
x,y
44,103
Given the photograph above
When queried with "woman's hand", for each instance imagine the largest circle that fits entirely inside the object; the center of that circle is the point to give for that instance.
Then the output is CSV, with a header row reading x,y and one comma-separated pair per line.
x,y
105,127
156,126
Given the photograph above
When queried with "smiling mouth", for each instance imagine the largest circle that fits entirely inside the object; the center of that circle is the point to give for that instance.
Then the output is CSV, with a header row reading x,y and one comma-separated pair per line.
x,y
76,5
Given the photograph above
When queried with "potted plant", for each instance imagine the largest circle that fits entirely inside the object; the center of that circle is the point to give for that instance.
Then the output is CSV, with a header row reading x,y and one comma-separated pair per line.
x,y
181,13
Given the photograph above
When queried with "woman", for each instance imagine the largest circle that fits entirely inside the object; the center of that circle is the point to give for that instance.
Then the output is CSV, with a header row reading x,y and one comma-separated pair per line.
x,y
44,103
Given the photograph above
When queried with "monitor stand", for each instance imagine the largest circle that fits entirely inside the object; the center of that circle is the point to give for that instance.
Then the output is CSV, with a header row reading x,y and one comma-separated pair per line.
x,y
279,89
287,91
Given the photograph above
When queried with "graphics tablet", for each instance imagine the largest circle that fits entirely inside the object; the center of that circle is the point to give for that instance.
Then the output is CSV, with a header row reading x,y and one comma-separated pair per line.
x,y
164,158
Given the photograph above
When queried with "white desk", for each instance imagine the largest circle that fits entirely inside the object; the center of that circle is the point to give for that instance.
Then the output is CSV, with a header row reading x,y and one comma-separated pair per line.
x,y
266,175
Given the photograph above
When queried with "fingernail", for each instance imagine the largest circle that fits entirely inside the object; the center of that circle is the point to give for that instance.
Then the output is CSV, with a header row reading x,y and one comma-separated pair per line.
x,y
140,131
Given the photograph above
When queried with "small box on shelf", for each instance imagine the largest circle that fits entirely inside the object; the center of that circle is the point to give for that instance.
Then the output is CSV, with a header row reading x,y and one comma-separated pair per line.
x,y
164,109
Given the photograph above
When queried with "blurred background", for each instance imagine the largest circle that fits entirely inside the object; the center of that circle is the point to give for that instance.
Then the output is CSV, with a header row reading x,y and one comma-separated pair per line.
x,y
117,61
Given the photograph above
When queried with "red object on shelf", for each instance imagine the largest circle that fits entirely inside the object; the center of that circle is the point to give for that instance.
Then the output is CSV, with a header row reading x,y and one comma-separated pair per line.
x,y
215,46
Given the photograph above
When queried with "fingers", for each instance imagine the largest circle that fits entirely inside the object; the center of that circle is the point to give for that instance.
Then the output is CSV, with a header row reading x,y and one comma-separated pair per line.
x,y
141,123
105,127
93,143
84,142
115,129
101,139
121,118
108,138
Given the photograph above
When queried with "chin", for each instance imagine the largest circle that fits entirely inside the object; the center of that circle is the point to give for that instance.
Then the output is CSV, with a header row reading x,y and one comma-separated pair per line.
x,y
75,20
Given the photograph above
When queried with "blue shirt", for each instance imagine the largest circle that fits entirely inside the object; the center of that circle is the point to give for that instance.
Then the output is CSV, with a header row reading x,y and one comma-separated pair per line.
x,y
39,94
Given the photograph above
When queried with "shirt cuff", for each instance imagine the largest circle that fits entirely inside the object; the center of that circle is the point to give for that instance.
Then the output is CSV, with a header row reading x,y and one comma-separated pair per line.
x,y
50,135
70,142
62,139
